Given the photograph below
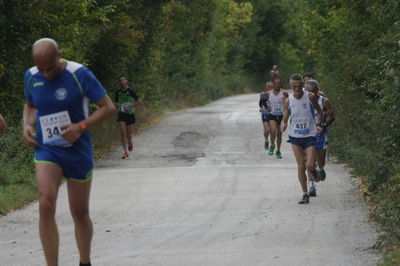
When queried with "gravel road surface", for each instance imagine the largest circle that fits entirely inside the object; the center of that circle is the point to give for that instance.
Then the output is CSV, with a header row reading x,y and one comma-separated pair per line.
x,y
199,189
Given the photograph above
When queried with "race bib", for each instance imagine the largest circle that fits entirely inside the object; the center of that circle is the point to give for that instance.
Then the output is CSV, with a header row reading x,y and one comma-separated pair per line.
x,y
51,128
126,107
301,126
277,109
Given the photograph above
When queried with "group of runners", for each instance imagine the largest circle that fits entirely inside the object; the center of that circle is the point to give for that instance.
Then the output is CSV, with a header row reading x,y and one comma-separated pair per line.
x,y
310,114
56,123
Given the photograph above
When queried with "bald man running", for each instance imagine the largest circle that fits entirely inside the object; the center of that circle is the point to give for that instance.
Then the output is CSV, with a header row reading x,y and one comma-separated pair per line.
x,y
58,94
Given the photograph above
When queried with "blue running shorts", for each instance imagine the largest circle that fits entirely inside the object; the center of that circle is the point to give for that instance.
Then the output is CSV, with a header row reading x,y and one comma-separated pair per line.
x,y
322,141
303,142
75,166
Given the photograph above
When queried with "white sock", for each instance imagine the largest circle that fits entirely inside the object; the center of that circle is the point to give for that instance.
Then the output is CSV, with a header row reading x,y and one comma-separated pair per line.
x,y
125,147
312,183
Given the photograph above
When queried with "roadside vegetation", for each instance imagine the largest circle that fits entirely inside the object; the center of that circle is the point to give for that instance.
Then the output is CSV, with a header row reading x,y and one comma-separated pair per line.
x,y
179,53
354,48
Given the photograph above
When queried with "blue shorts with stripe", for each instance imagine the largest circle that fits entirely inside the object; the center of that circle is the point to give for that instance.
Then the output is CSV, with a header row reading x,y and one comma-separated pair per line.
x,y
76,166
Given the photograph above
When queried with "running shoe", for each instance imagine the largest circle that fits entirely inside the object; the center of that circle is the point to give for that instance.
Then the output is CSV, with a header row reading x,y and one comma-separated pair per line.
x,y
271,150
124,155
313,191
322,174
130,146
305,199
266,145
278,154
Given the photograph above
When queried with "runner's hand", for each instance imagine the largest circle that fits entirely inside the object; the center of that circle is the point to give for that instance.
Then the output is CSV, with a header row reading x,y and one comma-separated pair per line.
x,y
28,135
283,126
319,129
71,133
139,104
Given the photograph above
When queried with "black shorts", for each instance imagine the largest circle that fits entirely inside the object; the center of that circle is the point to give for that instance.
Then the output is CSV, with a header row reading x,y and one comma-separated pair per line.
x,y
277,118
129,119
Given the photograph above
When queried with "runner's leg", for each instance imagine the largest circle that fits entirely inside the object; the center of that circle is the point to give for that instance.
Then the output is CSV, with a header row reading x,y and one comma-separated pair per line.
x,y
273,127
321,155
48,178
78,195
124,140
129,129
278,138
266,131
310,164
301,167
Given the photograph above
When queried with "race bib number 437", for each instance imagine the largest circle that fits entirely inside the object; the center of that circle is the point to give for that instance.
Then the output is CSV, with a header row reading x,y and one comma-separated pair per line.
x,y
301,126
51,128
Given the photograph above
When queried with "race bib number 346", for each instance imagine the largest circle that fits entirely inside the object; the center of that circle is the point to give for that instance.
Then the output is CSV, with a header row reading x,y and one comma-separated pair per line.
x,y
51,128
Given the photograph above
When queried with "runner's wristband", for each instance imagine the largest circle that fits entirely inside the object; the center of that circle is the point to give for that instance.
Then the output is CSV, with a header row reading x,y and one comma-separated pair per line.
x,y
82,126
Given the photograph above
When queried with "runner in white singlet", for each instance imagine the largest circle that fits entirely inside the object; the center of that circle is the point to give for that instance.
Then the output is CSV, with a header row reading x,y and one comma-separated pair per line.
x,y
265,109
276,98
302,130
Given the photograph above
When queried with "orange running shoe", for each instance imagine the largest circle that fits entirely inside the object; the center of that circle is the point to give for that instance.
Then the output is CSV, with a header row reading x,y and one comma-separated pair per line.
x,y
124,155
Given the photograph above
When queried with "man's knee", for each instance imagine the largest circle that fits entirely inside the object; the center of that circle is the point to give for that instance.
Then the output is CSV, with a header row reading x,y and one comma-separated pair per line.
x,y
47,205
80,214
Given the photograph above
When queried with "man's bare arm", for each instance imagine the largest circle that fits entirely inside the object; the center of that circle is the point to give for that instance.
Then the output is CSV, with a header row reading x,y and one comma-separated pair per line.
x,y
75,130
3,124
314,102
28,131
285,115
329,111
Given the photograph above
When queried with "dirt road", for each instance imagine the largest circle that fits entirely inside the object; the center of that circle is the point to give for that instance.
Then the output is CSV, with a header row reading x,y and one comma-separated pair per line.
x,y
199,189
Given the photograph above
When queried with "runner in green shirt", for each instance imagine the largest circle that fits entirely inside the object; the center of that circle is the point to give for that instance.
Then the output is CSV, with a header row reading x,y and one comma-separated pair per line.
x,y
125,100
